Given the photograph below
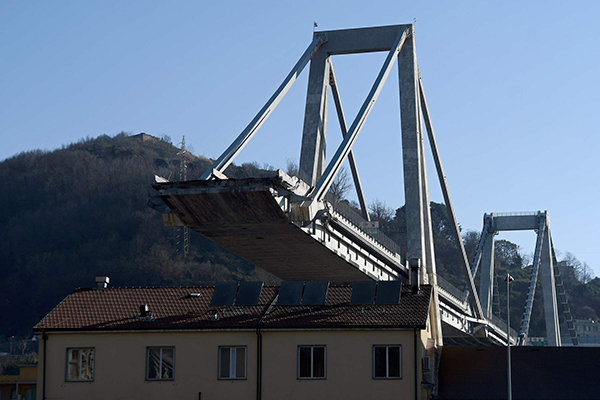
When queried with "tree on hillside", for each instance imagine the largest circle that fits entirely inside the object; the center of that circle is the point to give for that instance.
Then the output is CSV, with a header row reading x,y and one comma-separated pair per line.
x,y
341,185
291,167
471,242
583,272
82,211
509,254
379,211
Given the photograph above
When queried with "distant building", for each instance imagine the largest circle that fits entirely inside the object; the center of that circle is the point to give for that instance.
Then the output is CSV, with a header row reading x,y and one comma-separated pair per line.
x,y
586,327
21,386
144,137
170,343
588,332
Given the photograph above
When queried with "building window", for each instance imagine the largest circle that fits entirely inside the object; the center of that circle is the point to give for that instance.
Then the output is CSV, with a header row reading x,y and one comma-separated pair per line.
x,y
577,327
587,328
80,364
387,362
595,329
232,362
160,363
312,363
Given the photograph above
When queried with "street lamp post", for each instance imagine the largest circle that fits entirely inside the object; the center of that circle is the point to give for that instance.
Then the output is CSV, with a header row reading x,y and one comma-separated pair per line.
x,y
508,280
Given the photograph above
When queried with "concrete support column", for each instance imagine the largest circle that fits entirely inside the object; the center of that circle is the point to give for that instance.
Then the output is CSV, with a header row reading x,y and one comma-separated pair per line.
x,y
314,135
486,281
427,229
411,153
550,305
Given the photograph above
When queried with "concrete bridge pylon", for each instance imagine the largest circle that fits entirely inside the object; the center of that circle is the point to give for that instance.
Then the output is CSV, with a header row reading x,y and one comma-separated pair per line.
x,y
544,263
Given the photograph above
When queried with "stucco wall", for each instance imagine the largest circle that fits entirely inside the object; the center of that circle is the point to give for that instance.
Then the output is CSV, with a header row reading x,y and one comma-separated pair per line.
x,y
349,366
120,365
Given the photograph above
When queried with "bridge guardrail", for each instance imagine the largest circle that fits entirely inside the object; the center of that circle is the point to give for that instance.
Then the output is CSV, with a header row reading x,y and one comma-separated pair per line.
x,y
460,296
450,288
515,214
356,219
500,323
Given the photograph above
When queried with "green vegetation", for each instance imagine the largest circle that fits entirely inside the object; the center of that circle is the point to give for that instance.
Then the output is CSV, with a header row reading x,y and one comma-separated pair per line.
x,y
82,211
583,291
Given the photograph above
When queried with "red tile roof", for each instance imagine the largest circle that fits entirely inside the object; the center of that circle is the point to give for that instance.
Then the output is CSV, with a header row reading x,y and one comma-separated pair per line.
x,y
337,312
175,308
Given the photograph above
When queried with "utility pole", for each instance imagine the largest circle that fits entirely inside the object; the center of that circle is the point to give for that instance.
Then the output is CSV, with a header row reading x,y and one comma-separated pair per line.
x,y
183,177
508,280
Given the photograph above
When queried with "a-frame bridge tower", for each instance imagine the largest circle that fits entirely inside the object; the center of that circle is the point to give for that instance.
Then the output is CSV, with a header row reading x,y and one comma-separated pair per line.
x,y
288,225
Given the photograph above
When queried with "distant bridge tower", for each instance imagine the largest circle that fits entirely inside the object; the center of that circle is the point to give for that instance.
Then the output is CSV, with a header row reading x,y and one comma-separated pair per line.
x,y
287,226
544,262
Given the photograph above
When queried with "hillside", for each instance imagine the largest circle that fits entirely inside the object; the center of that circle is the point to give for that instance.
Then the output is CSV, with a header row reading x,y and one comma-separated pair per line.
x,y
82,211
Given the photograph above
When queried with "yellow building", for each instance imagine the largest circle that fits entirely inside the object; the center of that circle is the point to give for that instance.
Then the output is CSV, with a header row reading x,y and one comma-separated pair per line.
x,y
19,387
201,343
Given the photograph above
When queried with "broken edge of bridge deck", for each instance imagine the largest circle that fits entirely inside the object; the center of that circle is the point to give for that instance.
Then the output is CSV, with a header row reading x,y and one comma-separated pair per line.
x,y
254,218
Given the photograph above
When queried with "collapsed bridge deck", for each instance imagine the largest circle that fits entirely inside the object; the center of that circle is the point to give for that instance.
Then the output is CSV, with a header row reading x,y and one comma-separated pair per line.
x,y
254,219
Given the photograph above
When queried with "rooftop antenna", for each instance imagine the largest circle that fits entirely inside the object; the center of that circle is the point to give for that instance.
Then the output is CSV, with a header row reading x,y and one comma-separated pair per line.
x,y
182,178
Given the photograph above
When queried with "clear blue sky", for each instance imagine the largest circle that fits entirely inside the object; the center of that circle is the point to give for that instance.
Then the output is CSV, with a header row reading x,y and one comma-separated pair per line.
x,y
512,86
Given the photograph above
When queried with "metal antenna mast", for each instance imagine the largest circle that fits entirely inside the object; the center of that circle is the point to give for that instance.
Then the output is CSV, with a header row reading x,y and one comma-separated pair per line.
x,y
183,177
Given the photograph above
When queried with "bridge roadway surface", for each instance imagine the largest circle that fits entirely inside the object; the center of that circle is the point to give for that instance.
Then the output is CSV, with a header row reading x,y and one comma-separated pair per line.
x,y
262,221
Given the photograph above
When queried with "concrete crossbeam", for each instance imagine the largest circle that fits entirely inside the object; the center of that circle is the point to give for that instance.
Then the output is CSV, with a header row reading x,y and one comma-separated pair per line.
x,y
515,222
361,40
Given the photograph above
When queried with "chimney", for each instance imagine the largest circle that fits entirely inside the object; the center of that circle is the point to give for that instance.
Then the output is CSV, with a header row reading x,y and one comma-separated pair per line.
x,y
415,269
145,312
102,282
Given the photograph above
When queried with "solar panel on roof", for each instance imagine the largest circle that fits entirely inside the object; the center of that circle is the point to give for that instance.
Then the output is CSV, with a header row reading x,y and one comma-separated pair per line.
x,y
290,293
388,292
363,292
315,293
224,294
248,293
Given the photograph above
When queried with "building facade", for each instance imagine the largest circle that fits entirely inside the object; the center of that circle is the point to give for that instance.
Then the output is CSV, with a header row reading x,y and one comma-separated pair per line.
x,y
100,344
21,386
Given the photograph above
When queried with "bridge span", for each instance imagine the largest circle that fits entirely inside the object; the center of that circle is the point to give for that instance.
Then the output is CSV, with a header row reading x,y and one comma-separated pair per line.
x,y
288,226
259,220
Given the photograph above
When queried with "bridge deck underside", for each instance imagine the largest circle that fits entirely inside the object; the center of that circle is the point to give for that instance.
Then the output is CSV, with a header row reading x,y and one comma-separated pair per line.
x,y
253,226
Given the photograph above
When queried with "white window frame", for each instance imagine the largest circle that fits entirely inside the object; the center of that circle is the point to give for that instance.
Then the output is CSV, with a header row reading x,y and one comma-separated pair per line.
x,y
387,361
312,361
232,363
81,349
161,348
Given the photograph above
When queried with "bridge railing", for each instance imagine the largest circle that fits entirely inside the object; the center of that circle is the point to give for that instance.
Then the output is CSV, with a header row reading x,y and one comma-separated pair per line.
x,y
460,296
515,214
500,323
450,288
357,220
